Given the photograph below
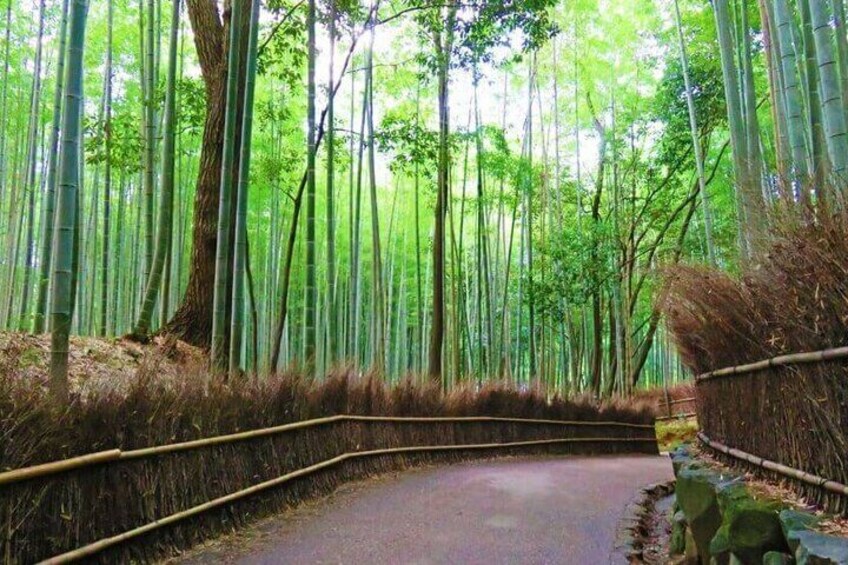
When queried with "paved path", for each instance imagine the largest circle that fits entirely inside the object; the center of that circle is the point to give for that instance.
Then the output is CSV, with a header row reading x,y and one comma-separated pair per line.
x,y
550,510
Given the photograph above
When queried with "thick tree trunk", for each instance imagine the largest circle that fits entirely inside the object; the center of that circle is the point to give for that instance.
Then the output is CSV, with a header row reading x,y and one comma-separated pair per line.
x,y
192,322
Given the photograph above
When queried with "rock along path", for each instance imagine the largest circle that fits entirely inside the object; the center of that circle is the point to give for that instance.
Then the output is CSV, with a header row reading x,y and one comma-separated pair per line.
x,y
543,510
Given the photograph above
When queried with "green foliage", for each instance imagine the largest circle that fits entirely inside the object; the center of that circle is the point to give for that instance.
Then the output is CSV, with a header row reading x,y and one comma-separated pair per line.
x,y
127,142
282,54
414,147
485,26
614,62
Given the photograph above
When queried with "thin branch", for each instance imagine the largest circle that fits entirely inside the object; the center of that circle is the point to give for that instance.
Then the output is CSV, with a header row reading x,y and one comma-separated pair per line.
x,y
279,25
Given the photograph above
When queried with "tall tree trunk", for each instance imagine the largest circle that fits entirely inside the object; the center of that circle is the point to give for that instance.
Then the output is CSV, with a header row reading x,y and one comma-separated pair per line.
x,y
775,90
192,321
419,284
752,133
355,242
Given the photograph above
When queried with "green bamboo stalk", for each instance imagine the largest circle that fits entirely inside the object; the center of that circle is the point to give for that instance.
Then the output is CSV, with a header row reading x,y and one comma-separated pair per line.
x,y
833,110
4,98
378,299
240,258
67,200
752,128
332,337
807,62
117,281
166,201
791,94
841,48
107,174
30,183
149,142
355,241
777,105
311,291
13,222
222,254
419,283
738,136
444,46
696,140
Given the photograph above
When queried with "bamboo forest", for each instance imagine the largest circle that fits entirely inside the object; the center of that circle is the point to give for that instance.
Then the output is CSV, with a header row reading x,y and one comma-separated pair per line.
x,y
464,192
420,281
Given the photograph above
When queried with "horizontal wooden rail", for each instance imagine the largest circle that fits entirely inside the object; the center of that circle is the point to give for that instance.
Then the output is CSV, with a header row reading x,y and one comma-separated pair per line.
x,y
55,467
681,416
779,361
678,401
780,469
98,546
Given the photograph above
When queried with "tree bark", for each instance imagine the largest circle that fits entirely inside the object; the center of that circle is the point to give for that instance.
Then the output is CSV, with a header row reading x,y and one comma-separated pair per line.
x,y
192,321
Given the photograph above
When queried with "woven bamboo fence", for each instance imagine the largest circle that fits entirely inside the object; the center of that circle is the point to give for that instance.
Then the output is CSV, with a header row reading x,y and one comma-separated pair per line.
x,y
670,408
89,507
786,417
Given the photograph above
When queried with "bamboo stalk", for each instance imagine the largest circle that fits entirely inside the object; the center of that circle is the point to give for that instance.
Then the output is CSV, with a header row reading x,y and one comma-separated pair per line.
x,y
55,467
73,463
786,471
98,546
470,419
229,438
779,361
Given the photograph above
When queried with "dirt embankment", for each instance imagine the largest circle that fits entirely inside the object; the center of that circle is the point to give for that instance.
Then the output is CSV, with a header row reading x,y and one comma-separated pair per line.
x,y
98,364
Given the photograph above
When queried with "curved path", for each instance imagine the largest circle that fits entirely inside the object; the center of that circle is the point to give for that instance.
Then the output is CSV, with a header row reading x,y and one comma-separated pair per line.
x,y
549,510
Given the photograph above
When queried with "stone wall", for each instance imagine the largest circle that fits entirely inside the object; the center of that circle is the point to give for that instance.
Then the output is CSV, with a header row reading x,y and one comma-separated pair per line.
x,y
718,521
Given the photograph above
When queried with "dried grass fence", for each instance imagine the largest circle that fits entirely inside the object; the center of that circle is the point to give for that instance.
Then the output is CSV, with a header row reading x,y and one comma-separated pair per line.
x,y
793,297
207,471
669,409
786,416
672,402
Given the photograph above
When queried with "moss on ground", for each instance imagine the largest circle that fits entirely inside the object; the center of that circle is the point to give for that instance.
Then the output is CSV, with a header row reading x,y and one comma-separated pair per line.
x,y
671,434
